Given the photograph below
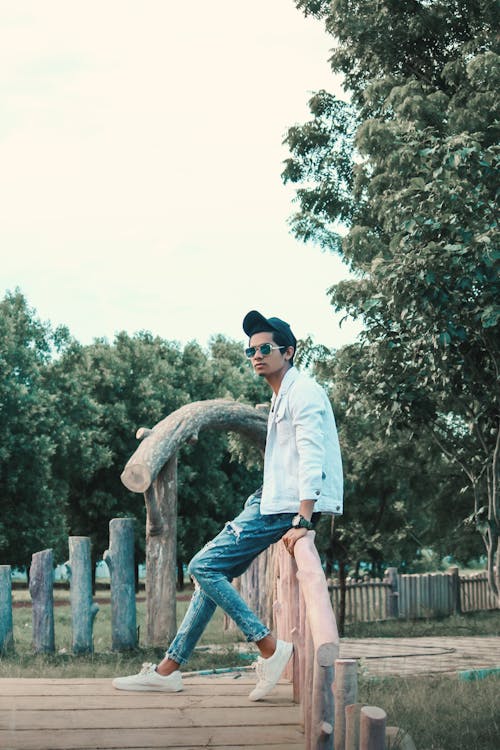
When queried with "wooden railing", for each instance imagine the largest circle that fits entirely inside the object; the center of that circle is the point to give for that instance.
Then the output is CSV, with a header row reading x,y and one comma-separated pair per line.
x,y
293,594
304,615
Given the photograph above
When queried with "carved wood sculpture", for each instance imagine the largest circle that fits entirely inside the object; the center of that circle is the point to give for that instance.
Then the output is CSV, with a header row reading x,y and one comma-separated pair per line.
x,y
152,469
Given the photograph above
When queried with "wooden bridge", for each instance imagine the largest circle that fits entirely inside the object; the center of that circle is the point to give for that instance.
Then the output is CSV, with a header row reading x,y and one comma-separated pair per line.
x,y
212,711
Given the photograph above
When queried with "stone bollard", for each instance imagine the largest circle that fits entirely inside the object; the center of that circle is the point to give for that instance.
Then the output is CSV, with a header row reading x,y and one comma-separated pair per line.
x,y
83,610
42,596
120,561
6,630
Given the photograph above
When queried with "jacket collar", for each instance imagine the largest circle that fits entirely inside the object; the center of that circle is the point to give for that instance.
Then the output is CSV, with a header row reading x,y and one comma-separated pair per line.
x,y
289,379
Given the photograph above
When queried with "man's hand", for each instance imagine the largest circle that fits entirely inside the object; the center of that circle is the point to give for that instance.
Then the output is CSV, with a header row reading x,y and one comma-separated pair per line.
x,y
292,536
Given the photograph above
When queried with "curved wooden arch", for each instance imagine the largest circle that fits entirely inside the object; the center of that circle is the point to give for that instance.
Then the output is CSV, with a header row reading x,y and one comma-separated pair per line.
x,y
183,426
152,469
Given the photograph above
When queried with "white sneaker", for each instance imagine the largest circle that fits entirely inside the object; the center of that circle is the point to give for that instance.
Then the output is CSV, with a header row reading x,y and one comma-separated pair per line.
x,y
149,679
270,670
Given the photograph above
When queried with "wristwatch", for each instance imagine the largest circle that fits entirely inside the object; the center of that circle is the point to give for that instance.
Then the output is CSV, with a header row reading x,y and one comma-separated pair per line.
x,y
299,522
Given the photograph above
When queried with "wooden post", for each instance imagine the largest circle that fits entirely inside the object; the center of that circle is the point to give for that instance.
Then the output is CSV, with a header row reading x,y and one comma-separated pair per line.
x,y
161,554
42,595
352,720
325,642
455,591
397,739
6,630
120,561
307,694
391,576
83,611
323,698
372,728
345,690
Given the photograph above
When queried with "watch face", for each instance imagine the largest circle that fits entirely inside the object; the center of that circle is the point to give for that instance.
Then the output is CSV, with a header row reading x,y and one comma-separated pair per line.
x,y
296,521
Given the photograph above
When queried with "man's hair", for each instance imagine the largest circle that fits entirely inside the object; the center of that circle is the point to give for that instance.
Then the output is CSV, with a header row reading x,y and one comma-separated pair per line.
x,y
281,340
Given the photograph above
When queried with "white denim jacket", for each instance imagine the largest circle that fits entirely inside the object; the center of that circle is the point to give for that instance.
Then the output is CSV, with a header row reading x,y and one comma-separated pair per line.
x,y
302,459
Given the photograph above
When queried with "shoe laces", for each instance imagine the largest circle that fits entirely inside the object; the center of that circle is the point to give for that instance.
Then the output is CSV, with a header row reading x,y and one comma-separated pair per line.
x,y
259,667
147,666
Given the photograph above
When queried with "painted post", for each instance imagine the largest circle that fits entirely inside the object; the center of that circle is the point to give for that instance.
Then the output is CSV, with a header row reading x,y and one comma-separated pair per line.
x,y
6,630
120,561
42,596
83,610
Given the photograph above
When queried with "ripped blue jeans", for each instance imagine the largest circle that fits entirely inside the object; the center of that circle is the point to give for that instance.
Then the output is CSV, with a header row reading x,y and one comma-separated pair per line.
x,y
213,568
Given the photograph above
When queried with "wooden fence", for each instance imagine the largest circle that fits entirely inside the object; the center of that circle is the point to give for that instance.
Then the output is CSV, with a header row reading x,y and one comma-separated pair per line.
x,y
413,596
475,594
120,560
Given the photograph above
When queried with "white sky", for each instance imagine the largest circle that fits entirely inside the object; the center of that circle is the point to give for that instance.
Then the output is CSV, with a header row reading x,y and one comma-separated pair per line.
x,y
140,160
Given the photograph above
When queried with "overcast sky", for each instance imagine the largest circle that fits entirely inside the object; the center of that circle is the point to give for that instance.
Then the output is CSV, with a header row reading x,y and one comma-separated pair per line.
x,y
140,160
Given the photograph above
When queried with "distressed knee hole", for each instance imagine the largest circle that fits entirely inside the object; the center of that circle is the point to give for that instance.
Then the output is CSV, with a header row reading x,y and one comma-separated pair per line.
x,y
234,528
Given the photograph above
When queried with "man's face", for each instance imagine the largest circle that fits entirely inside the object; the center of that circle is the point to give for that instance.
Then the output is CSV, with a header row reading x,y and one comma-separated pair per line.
x,y
269,364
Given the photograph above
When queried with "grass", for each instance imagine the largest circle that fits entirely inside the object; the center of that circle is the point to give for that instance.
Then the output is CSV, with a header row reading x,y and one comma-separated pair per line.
x,y
470,624
439,712
104,662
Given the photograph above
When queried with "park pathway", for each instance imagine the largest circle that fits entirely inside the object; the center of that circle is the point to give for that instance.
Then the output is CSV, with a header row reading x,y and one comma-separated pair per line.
x,y
380,657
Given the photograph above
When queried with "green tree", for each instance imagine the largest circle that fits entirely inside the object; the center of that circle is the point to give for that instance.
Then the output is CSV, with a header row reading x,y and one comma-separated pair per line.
x,y
419,203
32,501
389,514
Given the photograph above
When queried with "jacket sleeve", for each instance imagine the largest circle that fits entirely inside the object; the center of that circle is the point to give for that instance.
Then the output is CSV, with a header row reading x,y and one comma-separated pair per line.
x,y
307,410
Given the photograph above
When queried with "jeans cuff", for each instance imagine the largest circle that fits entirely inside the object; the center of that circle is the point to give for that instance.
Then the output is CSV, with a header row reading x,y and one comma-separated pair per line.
x,y
176,657
259,636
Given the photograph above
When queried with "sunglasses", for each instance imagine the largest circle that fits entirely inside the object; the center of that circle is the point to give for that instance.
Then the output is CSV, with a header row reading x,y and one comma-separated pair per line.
x,y
264,349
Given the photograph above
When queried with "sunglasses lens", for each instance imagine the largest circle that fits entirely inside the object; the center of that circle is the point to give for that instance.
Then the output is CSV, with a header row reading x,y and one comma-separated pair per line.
x,y
266,349
250,351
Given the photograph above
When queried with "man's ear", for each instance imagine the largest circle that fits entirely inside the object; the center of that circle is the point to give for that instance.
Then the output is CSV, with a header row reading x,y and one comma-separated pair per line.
x,y
289,352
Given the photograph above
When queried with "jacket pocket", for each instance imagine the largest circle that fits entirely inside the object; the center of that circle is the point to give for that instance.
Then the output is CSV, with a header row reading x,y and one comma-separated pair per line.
x,y
284,429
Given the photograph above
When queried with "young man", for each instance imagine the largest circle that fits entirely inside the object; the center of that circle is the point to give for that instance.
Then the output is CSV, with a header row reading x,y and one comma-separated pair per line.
x,y
302,479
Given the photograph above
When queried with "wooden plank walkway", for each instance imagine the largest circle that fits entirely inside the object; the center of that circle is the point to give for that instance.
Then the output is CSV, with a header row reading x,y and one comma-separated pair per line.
x,y
84,714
